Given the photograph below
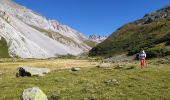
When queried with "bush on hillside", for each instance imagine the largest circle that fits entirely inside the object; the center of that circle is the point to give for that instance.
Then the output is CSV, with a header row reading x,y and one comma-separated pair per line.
x,y
167,43
157,52
132,52
68,56
3,48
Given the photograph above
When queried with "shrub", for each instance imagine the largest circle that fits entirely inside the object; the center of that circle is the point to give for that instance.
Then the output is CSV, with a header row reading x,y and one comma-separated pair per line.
x,y
68,56
132,52
157,52
3,48
167,43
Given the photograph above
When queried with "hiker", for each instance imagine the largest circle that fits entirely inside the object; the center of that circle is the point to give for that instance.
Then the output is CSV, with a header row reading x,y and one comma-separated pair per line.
x,y
142,56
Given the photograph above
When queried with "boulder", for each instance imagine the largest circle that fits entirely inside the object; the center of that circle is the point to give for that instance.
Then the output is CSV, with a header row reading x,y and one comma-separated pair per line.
x,y
104,65
33,93
75,69
30,71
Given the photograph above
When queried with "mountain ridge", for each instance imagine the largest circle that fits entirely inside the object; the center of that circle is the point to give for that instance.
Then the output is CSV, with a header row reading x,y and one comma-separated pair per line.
x,y
150,33
21,29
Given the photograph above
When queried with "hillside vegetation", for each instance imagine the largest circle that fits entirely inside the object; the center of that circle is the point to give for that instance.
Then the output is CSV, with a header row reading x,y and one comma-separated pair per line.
x,y
90,43
149,33
3,49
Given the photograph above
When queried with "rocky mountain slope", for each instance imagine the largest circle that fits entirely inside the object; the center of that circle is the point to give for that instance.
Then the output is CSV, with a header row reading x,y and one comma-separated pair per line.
x,y
151,33
93,40
30,35
97,39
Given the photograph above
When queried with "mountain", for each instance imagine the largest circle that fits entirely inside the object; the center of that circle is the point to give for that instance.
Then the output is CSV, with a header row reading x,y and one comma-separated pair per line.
x,y
151,33
30,35
97,39
93,40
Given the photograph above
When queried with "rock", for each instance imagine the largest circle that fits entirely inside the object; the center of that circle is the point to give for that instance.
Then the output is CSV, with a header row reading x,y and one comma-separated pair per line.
x,y
104,65
112,81
119,66
75,69
116,82
33,93
160,14
97,39
30,71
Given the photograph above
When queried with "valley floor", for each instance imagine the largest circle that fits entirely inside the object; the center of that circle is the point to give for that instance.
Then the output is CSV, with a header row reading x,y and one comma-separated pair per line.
x,y
90,83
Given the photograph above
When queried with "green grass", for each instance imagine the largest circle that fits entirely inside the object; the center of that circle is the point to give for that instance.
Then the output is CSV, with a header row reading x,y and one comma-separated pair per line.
x,y
151,83
3,49
90,43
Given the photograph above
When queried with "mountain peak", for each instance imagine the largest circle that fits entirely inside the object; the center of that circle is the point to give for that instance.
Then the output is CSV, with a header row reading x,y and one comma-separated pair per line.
x,y
97,38
30,35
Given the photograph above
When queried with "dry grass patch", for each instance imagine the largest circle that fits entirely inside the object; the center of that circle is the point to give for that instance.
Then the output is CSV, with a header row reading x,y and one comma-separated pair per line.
x,y
52,64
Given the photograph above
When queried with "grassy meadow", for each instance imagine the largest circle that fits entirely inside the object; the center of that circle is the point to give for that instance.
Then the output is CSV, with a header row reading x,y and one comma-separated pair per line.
x,y
90,83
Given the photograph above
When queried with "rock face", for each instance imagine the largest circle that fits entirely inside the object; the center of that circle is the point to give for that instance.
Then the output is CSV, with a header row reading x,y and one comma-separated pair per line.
x,y
30,71
30,35
97,39
75,69
104,65
163,13
33,93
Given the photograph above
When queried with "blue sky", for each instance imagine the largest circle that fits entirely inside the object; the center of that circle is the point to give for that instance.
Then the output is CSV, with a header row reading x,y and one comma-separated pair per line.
x,y
100,17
